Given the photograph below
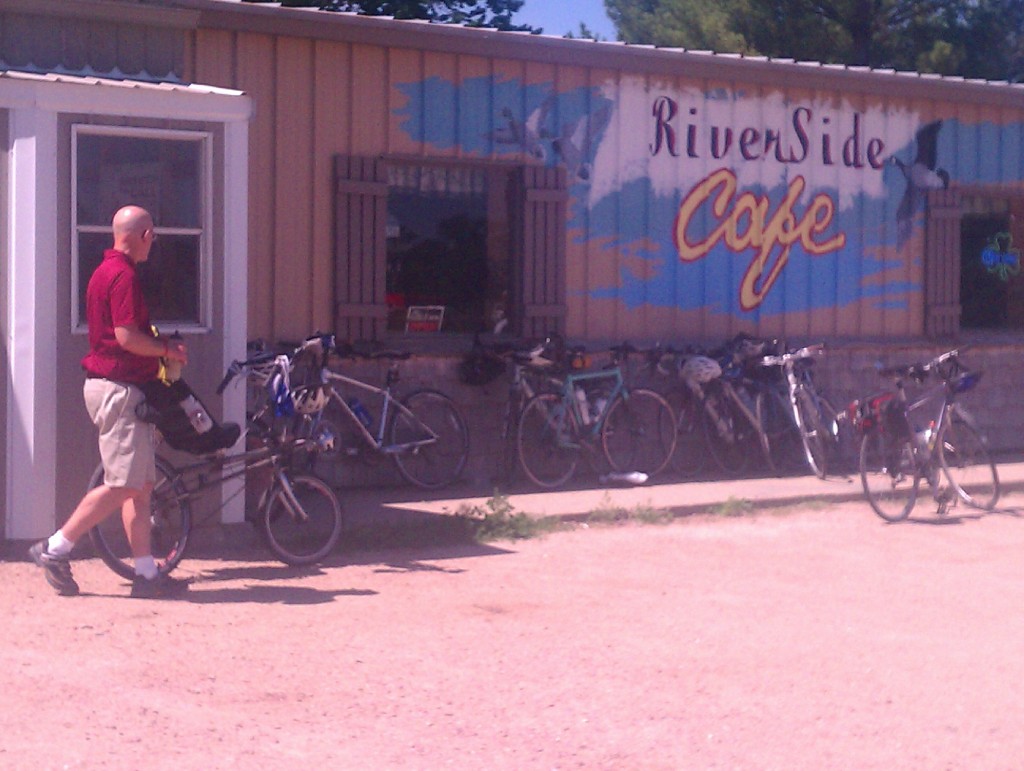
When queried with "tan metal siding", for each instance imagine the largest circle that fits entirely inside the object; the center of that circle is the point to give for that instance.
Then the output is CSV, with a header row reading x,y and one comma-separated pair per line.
x,y
293,158
331,137
255,70
370,100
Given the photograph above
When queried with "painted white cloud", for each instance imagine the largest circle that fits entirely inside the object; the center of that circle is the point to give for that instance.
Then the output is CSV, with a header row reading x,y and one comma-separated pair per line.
x,y
827,125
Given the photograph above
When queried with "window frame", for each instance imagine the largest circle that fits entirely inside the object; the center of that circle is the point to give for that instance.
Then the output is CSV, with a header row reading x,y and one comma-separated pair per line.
x,y
538,239
205,139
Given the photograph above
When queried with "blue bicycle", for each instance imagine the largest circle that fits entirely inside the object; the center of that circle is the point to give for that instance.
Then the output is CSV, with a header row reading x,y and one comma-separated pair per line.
x,y
594,413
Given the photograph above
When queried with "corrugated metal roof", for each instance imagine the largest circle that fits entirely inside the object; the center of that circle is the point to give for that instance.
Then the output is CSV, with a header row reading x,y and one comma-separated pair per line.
x,y
116,80
543,41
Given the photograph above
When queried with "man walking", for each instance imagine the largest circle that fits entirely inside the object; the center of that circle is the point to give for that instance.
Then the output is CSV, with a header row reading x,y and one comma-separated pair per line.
x,y
123,353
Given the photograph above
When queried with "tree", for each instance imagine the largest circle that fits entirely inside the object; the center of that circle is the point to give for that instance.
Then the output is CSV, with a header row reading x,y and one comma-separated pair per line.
x,y
473,13
973,38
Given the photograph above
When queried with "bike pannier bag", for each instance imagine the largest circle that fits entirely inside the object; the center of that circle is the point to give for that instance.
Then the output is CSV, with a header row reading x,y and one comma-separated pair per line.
x,y
184,421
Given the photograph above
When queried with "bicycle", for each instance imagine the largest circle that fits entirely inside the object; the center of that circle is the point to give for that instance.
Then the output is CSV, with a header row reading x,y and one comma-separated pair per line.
x,y
633,430
895,455
725,403
814,417
690,453
530,366
423,433
298,516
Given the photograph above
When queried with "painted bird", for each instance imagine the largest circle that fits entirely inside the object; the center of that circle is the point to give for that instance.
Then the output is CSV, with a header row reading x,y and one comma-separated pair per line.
x,y
921,175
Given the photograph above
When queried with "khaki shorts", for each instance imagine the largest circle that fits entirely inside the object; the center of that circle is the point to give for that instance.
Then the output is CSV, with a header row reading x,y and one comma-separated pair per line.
x,y
127,444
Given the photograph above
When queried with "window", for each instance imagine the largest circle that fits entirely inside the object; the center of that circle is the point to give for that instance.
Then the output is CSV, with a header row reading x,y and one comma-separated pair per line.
x,y
983,287
482,241
167,173
442,249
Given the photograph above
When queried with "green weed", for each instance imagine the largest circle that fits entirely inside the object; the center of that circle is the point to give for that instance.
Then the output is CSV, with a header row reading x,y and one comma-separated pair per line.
x,y
608,512
498,520
734,507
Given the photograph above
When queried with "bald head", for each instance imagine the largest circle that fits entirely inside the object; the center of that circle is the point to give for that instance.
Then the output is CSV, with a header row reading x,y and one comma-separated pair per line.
x,y
133,232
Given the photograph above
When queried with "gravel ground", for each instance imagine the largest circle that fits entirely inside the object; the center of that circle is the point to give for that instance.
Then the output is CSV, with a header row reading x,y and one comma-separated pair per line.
x,y
789,639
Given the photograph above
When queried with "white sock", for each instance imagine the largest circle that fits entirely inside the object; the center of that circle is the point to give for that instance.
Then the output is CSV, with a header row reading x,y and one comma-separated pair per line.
x,y
146,567
58,545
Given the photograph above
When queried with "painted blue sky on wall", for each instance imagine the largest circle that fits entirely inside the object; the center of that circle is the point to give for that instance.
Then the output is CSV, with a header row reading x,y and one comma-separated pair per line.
x,y
741,204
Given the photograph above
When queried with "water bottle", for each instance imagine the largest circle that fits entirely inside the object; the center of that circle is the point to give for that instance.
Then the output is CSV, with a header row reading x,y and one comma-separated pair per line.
x,y
197,416
581,400
599,406
360,412
624,478
172,368
923,438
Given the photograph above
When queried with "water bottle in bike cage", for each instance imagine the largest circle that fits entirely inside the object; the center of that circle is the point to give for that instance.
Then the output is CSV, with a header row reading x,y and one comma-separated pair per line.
x,y
581,400
360,412
923,437
197,416
598,407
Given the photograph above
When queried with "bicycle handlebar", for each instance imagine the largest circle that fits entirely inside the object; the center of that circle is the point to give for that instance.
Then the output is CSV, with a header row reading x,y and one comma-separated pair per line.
x,y
807,352
237,367
919,371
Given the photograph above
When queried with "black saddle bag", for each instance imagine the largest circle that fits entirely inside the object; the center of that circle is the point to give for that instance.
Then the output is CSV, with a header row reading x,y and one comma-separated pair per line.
x,y
184,421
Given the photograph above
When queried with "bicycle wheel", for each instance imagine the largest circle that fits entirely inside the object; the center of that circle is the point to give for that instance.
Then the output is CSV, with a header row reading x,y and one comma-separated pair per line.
x,y
963,454
508,459
440,462
814,436
170,518
888,471
639,432
843,444
547,450
690,451
303,527
779,436
727,433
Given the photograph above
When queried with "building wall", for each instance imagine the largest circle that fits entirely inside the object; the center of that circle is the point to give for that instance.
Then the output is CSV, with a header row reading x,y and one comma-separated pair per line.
x,y
703,201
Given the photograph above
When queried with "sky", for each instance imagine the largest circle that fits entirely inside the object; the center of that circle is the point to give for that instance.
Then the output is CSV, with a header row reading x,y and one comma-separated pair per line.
x,y
560,16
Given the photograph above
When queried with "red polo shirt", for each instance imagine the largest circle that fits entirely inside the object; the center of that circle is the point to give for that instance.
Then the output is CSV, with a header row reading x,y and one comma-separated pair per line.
x,y
114,299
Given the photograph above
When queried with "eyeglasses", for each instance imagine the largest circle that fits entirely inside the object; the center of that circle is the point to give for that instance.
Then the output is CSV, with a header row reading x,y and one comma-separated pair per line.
x,y
152,234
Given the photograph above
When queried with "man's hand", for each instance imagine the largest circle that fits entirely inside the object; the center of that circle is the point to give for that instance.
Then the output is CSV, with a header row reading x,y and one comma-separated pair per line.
x,y
137,342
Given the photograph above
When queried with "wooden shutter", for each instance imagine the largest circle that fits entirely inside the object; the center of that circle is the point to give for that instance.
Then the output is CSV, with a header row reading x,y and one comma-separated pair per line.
x,y
360,256
539,251
942,264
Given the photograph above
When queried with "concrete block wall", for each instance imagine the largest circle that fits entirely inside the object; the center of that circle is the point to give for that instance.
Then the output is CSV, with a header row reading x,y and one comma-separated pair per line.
x,y
847,371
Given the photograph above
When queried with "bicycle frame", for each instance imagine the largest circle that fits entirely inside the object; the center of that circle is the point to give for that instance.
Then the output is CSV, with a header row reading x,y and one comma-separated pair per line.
x,y
197,477
571,405
388,403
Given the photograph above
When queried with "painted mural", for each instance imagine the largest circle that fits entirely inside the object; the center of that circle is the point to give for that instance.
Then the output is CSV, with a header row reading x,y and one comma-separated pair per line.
x,y
728,202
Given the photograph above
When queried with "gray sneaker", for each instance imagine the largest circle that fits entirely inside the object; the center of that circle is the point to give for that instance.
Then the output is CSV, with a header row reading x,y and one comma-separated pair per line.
x,y
57,569
163,587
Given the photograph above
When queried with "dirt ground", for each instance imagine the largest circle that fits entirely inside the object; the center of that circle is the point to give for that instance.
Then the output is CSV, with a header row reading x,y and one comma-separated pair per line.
x,y
795,639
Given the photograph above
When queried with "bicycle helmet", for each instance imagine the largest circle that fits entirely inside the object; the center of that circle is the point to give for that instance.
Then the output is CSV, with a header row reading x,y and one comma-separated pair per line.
x,y
552,352
700,370
309,399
